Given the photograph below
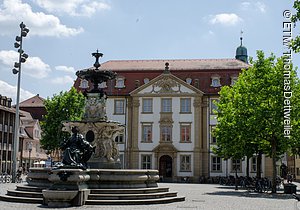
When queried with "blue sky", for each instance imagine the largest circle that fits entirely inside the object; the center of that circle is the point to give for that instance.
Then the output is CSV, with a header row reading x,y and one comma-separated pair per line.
x,y
64,33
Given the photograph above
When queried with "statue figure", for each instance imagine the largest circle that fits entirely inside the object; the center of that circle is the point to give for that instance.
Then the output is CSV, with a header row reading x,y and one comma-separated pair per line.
x,y
77,151
105,144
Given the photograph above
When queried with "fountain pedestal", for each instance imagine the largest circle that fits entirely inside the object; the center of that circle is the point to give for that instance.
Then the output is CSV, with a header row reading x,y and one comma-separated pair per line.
x,y
68,188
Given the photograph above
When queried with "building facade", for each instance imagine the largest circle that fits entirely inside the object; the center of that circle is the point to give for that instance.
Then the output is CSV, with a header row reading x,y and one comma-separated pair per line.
x,y
7,124
169,110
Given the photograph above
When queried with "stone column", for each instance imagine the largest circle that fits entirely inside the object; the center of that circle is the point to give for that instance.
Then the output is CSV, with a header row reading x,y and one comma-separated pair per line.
x,y
134,154
204,141
197,138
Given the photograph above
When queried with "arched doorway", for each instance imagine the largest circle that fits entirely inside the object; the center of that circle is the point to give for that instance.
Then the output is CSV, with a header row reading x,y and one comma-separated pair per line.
x,y
165,168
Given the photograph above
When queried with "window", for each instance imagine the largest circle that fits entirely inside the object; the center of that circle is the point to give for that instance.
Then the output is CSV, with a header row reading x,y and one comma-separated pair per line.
x,y
147,105
236,165
120,82
119,139
146,161
146,133
146,80
185,105
166,105
119,107
213,106
216,164
233,80
84,84
185,163
215,81
102,85
253,164
188,80
166,133
213,139
185,133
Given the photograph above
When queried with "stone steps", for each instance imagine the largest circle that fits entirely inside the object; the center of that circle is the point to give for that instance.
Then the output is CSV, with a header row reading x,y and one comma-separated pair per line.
x,y
137,196
130,191
17,199
130,196
135,202
28,188
17,193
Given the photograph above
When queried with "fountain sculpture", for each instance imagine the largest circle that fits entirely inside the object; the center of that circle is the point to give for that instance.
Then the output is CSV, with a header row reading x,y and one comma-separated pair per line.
x,y
91,172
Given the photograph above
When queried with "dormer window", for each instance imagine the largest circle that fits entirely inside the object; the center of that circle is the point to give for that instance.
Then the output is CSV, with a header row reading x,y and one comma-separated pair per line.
x,y
84,84
215,81
120,82
102,85
188,80
146,80
233,80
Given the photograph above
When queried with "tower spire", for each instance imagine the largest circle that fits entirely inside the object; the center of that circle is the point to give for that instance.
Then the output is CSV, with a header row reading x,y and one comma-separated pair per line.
x,y
241,51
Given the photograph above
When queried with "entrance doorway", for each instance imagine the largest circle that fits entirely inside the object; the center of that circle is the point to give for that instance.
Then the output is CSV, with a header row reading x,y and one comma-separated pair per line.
x,y
165,168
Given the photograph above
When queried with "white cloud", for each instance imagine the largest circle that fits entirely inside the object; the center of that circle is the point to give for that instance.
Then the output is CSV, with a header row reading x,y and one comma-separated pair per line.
x,y
255,6
11,92
12,12
65,69
63,80
227,19
260,6
33,66
73,7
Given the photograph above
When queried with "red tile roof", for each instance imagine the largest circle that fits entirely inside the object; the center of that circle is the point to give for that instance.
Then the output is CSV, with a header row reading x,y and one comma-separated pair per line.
x,y
177,64
196,69
35,101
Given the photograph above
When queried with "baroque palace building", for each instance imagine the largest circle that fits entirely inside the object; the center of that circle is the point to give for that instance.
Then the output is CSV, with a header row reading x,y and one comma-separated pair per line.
x,y
168,108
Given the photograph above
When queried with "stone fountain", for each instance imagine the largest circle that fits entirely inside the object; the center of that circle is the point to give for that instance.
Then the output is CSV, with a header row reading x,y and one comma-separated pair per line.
x,y
91,172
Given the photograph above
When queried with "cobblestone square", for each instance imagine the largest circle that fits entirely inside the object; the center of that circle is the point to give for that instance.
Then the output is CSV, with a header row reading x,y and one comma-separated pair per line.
x,y
197,196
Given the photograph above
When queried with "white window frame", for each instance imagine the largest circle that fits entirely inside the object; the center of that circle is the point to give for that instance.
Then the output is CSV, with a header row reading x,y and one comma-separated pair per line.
x,y
166,105
146,161
147,107
166,133
216,164
186,134
185,163
117,108
215,81
185,105
120,82
146,136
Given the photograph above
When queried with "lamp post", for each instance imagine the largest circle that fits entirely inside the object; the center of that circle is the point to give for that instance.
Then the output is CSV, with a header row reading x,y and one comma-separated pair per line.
x,y
17,69
29,149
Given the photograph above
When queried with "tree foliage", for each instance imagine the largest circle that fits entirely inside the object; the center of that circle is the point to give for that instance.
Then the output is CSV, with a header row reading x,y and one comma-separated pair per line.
x,y
295,44
251,112
66,106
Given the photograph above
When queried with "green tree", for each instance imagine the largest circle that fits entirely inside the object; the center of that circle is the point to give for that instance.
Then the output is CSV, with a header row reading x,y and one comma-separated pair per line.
x,y
66,106
251,113
295,44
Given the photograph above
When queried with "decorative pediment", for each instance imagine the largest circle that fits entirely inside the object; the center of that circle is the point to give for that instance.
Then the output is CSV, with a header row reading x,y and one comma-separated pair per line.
x,y
166,85
166,148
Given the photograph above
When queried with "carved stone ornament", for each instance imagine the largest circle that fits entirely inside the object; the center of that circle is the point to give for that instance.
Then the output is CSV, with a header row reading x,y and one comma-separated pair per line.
x,y
166,85
95,107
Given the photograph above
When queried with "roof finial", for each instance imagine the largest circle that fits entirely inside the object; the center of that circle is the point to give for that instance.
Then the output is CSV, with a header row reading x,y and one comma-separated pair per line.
x,y
241,38
166,71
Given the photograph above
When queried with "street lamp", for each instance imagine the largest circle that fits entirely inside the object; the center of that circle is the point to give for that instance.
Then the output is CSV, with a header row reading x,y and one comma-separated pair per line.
x,y
17,69
29,149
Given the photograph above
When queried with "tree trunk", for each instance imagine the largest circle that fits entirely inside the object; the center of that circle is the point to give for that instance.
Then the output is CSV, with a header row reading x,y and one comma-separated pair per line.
x,y
258,164
274,190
